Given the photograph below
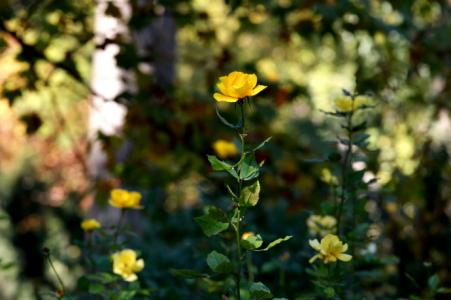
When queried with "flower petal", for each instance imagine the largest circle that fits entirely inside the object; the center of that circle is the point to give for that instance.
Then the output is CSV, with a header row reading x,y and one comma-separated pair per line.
x,y
315,244
252,80
221,97
131,277
257,89
139,265
222,88
311,260
344,257
345,248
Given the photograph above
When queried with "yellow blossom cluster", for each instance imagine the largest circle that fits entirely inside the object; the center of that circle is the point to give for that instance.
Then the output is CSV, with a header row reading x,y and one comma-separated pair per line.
x,y
321,225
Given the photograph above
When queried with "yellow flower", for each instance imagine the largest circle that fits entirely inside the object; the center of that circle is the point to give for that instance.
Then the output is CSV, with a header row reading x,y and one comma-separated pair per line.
x,y
124,199
90,224
346,105
247,235
225,149
237,85
330,249
126,265
321,225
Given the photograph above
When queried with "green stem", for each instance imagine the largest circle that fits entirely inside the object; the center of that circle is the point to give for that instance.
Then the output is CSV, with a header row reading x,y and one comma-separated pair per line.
x,y
119,225
344,170
60,281
238,208
238,254
250,272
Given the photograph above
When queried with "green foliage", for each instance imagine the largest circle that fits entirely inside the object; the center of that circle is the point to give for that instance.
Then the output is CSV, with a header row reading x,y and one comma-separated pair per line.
x,y
219,263
260,291
252,242
213,222
394,193
275,243
250,194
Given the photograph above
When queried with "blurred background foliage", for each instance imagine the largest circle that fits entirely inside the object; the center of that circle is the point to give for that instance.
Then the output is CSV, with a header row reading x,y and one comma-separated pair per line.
x,y
305,51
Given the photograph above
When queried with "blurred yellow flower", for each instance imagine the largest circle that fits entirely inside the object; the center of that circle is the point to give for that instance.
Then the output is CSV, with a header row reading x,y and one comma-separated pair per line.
x,y
346,104
321,225
124,199
330,249
126,265
247,235
225,148
90,224
237,85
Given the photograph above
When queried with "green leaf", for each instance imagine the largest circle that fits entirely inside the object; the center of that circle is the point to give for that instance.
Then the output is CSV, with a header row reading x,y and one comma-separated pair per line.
x,y
96,288
275,243
3,216
249,168
219,165
329,292
259,291
262,144
433,282
252,242
126,295
444,290
360,139
104,278
187,273
359,127
213,222
250,194
219,263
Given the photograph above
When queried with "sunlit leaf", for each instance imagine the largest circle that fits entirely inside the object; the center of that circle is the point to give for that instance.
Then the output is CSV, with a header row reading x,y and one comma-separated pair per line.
x,y
275,243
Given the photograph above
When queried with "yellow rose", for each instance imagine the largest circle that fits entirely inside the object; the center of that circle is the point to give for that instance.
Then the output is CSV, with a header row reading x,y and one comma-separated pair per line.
x,y
346,105
126,265
237,85
247,235
90,224
124,199
330,249
321,225
225,149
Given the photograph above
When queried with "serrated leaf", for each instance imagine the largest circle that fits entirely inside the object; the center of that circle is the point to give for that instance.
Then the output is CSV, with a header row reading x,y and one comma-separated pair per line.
x,y
213,222
262,144
275,243
249,168
259,291
219,165
252,242
250,195
187,273
219,263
